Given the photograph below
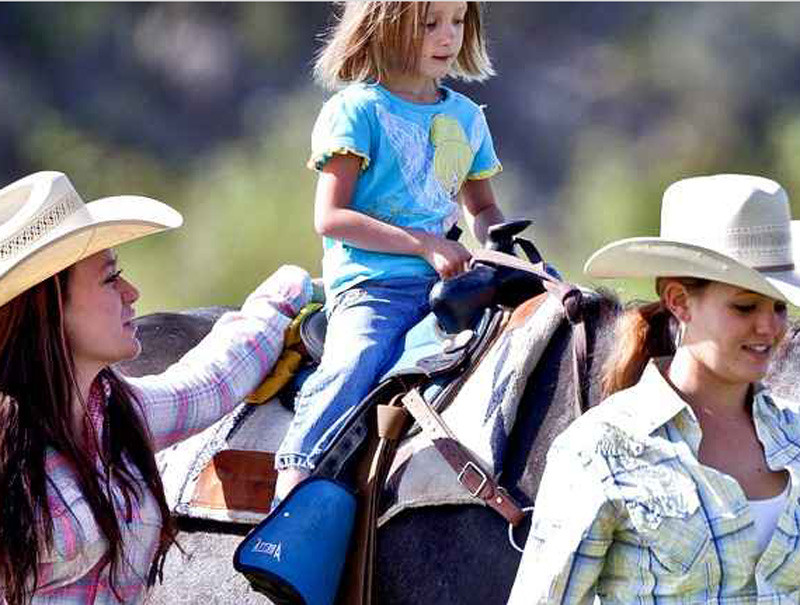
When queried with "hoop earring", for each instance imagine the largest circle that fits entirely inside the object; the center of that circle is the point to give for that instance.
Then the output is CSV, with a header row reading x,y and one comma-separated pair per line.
x,y
679,334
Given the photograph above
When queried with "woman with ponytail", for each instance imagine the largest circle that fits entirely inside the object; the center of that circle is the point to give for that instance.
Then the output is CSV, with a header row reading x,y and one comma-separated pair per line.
x,y
83,516
687,476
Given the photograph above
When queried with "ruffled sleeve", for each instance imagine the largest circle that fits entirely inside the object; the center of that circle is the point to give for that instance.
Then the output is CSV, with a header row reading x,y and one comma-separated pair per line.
x,y
212,378
342,127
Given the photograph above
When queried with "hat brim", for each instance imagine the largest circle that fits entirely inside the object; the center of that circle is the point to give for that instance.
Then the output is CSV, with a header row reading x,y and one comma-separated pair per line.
x,y
658,257
107,222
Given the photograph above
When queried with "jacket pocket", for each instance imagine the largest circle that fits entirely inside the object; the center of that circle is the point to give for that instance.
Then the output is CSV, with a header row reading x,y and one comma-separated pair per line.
x,y
678,543
666,516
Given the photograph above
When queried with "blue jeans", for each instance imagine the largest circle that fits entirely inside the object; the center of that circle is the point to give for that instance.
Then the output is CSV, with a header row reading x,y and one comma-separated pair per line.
x,y
366,326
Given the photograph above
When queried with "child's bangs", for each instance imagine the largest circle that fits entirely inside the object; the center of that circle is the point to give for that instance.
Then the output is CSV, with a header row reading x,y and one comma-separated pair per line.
x,y
399,35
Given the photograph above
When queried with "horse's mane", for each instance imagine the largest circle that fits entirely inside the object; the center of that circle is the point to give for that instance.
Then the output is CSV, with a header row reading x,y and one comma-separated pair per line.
x,y
601,310
782,377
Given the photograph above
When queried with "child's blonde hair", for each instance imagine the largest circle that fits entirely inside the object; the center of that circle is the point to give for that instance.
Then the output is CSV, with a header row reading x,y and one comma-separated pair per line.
x,y
372,38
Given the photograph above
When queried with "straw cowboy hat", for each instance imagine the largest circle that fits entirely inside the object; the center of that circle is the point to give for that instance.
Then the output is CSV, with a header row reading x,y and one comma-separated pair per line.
x,y
45,227
731,228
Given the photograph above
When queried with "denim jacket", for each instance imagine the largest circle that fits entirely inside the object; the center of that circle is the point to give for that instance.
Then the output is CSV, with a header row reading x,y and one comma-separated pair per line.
x,y
627,513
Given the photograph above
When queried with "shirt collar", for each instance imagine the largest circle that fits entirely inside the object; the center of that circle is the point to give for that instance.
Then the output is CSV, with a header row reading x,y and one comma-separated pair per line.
x,y
664,404
661,401
96,402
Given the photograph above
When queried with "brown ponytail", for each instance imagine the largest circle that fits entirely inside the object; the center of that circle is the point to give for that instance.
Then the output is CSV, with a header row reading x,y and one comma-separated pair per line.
x,y
642,332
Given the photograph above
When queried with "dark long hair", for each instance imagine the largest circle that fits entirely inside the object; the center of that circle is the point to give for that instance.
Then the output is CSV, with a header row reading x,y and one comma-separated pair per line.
x,y
36,409
643,331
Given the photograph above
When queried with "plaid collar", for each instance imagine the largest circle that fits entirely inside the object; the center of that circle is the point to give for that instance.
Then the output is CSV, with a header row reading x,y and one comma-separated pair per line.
x,y
662,404
96,402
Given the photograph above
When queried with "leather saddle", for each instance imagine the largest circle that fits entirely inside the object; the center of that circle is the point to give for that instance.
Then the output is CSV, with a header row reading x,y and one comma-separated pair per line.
x,y
467,312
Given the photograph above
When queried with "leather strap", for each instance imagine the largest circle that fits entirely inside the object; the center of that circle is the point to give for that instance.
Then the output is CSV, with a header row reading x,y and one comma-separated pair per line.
x,y
392,421
571,299
477,482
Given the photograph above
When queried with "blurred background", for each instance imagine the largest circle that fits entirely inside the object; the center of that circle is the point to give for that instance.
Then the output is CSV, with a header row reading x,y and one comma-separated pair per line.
x,y
595,110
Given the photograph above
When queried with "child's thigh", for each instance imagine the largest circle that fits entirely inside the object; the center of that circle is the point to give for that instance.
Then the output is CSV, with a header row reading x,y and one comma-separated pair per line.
x,y
376,314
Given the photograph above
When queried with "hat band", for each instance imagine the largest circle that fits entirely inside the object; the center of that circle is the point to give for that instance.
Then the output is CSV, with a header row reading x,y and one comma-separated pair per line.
x,y
775,268
762,248
53,216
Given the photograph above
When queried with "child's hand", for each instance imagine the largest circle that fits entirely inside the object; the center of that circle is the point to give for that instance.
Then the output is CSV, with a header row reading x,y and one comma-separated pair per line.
x,y
449,258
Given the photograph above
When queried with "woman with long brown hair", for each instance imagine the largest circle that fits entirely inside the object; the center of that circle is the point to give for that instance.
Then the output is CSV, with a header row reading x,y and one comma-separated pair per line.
x,y
83,517
683,485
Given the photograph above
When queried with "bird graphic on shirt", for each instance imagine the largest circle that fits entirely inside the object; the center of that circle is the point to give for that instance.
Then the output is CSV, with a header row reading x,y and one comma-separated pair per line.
x,y
444,148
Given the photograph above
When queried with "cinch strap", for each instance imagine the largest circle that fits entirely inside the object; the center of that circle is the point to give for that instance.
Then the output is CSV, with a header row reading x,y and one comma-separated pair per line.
x,y
478,482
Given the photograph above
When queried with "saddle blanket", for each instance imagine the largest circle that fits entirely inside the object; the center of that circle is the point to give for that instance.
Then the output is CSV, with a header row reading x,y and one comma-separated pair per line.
x,y
225,472
481,416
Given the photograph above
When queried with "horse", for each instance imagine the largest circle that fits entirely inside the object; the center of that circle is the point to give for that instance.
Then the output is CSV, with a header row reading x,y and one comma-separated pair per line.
x,y
440,554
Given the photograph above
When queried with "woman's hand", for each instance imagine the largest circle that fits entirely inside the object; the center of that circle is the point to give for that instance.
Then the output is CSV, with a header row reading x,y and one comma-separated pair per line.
x,y
447,257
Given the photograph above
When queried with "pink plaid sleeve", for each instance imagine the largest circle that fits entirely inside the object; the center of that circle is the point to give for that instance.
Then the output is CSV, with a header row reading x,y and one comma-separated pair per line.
x,y
211,379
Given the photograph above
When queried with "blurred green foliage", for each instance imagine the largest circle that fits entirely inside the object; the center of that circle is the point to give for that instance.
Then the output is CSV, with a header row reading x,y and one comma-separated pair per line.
x,y
247,207
209,107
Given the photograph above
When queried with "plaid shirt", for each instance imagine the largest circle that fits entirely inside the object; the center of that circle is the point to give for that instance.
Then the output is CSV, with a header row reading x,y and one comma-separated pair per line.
x,y
626,512
205,384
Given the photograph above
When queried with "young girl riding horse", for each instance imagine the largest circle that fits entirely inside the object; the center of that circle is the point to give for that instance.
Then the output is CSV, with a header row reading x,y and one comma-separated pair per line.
x,y
398,156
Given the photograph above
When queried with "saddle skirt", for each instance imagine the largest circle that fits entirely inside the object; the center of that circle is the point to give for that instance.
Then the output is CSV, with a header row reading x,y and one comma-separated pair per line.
x,y
481,416
225,473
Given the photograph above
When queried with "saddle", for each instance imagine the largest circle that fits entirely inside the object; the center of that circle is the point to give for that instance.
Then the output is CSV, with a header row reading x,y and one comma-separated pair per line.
x,y
467,314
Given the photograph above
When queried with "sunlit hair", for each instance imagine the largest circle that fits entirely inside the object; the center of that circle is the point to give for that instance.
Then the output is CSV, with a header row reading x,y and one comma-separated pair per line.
x,y
643,331
374,38
36,409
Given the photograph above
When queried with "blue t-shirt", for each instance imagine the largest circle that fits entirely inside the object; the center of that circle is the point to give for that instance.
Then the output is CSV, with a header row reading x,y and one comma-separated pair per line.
x,y
415,157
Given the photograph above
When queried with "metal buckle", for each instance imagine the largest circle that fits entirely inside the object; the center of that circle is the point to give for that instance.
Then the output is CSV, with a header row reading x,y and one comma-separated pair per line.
x,y
481,474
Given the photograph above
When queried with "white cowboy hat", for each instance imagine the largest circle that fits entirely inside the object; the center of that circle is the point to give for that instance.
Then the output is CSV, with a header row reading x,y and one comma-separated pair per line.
x,y
45,227
731,228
